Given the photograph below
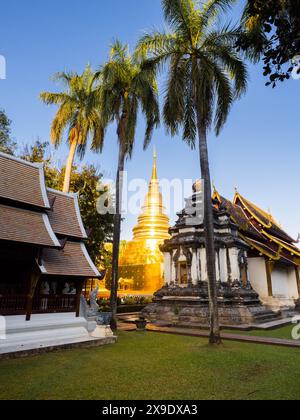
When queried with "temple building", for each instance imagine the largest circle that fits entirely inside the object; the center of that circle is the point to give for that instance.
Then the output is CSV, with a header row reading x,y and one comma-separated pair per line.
x,y
43,261
141,261
257,267
273,258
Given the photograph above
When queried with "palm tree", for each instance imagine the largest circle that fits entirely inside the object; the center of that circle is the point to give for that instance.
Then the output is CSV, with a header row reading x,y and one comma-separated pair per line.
x,y
205,76
125,89
78,112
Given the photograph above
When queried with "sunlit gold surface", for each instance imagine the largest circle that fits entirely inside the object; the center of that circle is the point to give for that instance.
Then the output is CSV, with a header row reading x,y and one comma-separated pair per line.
x,y
141,262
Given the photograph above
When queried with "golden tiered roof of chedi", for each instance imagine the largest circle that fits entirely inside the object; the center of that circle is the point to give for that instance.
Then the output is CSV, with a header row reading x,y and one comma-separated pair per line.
x,y
141,259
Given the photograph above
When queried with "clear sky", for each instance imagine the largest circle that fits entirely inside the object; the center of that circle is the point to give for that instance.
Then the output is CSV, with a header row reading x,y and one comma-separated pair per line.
x,y
258,151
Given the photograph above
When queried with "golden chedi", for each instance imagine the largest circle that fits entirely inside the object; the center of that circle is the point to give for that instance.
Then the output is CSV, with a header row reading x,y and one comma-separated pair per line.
x,y
141,261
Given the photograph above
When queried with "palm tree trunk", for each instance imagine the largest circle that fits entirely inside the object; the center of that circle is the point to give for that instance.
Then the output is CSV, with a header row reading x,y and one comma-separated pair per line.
x,y
69,166
215,337
116,239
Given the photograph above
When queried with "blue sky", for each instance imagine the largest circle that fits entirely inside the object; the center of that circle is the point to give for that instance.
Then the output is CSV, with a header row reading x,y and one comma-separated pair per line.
x,y
258,151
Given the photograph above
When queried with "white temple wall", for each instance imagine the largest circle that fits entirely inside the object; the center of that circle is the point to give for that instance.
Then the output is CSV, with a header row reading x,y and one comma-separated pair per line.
x,y
258,276
280,282
284,283
292,284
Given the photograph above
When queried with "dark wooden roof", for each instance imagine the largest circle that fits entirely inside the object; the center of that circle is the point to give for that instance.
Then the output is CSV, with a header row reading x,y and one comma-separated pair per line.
x,y
239,217
65,218
72,261
260,230
263,218
27,218
25,226
22,182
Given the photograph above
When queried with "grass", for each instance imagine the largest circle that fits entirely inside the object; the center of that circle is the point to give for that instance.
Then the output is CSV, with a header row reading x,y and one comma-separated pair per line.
x,y
283,332
156,366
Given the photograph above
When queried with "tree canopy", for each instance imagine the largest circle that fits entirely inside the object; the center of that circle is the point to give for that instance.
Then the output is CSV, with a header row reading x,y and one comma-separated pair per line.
x,y
78,112
271,30
88,183
205,73
7,145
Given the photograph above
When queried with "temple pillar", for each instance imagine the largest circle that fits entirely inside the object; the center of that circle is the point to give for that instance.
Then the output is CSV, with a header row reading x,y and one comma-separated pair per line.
x,y
298,280
79,287
203,265
175,268
223,265
188,254
228,264
218,266
269,269
234,262
195,267
33,281
199,274
168,267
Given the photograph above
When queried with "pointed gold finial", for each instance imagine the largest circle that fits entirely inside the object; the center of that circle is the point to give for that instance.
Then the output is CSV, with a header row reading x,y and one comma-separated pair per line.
x,y
154,170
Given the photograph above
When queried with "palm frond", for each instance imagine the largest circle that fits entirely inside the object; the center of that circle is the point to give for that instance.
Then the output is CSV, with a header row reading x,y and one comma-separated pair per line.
x,y
79,108
213,8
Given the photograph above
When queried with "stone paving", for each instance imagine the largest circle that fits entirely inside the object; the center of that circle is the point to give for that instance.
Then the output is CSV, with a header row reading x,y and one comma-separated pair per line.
x,y
126,323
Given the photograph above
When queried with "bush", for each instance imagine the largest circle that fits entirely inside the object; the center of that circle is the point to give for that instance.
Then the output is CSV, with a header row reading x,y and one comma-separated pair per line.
x,y
125,309
137,300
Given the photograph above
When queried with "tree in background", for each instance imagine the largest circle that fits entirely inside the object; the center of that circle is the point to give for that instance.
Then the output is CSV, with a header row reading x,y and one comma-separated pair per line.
x,y
271,29
78,113
87,183
7,145
125,88
205,76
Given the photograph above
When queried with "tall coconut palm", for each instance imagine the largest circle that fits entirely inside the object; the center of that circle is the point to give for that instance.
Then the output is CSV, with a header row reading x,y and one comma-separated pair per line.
x,y
78,112
205,76
125,89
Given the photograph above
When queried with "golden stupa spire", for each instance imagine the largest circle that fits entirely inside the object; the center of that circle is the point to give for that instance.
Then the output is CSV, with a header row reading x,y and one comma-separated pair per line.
x,y
154,169
153,223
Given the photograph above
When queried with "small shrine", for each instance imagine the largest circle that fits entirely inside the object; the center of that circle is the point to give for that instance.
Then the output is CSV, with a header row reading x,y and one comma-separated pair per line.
x,y
245,295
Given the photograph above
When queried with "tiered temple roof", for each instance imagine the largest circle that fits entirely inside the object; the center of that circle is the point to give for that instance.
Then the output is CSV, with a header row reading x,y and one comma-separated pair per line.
x,y
50,221
259,230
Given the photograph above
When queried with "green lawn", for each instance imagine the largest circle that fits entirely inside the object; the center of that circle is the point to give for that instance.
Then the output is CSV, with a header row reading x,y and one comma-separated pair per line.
x,y
156,366
283,332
